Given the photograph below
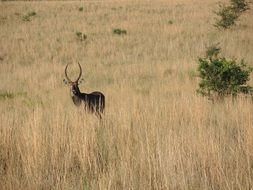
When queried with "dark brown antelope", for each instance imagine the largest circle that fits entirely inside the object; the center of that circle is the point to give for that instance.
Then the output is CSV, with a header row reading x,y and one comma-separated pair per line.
x,y
93,102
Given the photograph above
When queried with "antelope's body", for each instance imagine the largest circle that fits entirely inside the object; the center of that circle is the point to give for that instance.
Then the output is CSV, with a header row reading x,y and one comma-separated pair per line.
x,y
93,102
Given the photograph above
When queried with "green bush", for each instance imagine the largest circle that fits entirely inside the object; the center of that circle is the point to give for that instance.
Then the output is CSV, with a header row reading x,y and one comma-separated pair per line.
x,y
221,77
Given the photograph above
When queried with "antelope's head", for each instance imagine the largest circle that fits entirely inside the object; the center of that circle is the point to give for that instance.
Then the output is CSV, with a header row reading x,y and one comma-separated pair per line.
x,y
74,89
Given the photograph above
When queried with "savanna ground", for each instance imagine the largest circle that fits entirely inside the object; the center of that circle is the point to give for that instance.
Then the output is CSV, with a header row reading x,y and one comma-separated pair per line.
x,y
157,133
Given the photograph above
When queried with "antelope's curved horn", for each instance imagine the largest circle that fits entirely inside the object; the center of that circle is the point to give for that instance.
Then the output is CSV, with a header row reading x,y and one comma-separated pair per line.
x,y
66,75
80,74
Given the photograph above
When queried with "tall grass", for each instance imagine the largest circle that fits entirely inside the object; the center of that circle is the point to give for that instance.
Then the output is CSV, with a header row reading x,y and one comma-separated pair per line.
x,y
156,132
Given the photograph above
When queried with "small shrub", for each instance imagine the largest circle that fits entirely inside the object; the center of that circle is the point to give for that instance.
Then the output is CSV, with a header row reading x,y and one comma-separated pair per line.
x,y
28,16
32,13
240,5
221,77
228,17
230,14
213,52
80,9
119,31
80,36
167,72
170,22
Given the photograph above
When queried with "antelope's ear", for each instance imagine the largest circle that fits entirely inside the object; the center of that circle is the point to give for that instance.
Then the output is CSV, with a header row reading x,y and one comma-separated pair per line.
x,y
65,81
81,81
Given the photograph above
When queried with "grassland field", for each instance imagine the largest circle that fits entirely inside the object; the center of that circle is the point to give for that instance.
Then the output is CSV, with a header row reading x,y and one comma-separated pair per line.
x,y
157,132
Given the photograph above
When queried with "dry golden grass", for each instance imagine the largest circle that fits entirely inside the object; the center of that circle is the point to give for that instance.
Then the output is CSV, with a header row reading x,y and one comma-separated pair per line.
x,y
157,132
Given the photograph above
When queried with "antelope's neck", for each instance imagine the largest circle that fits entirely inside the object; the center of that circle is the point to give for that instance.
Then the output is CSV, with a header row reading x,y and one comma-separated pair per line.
x,y
77,100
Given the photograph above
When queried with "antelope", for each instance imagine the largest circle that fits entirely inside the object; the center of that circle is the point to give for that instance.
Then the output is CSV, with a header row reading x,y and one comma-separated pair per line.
x,y
94,102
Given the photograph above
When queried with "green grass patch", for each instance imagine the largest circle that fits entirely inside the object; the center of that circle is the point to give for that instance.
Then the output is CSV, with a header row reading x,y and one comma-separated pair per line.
x,y
6,95
119,31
